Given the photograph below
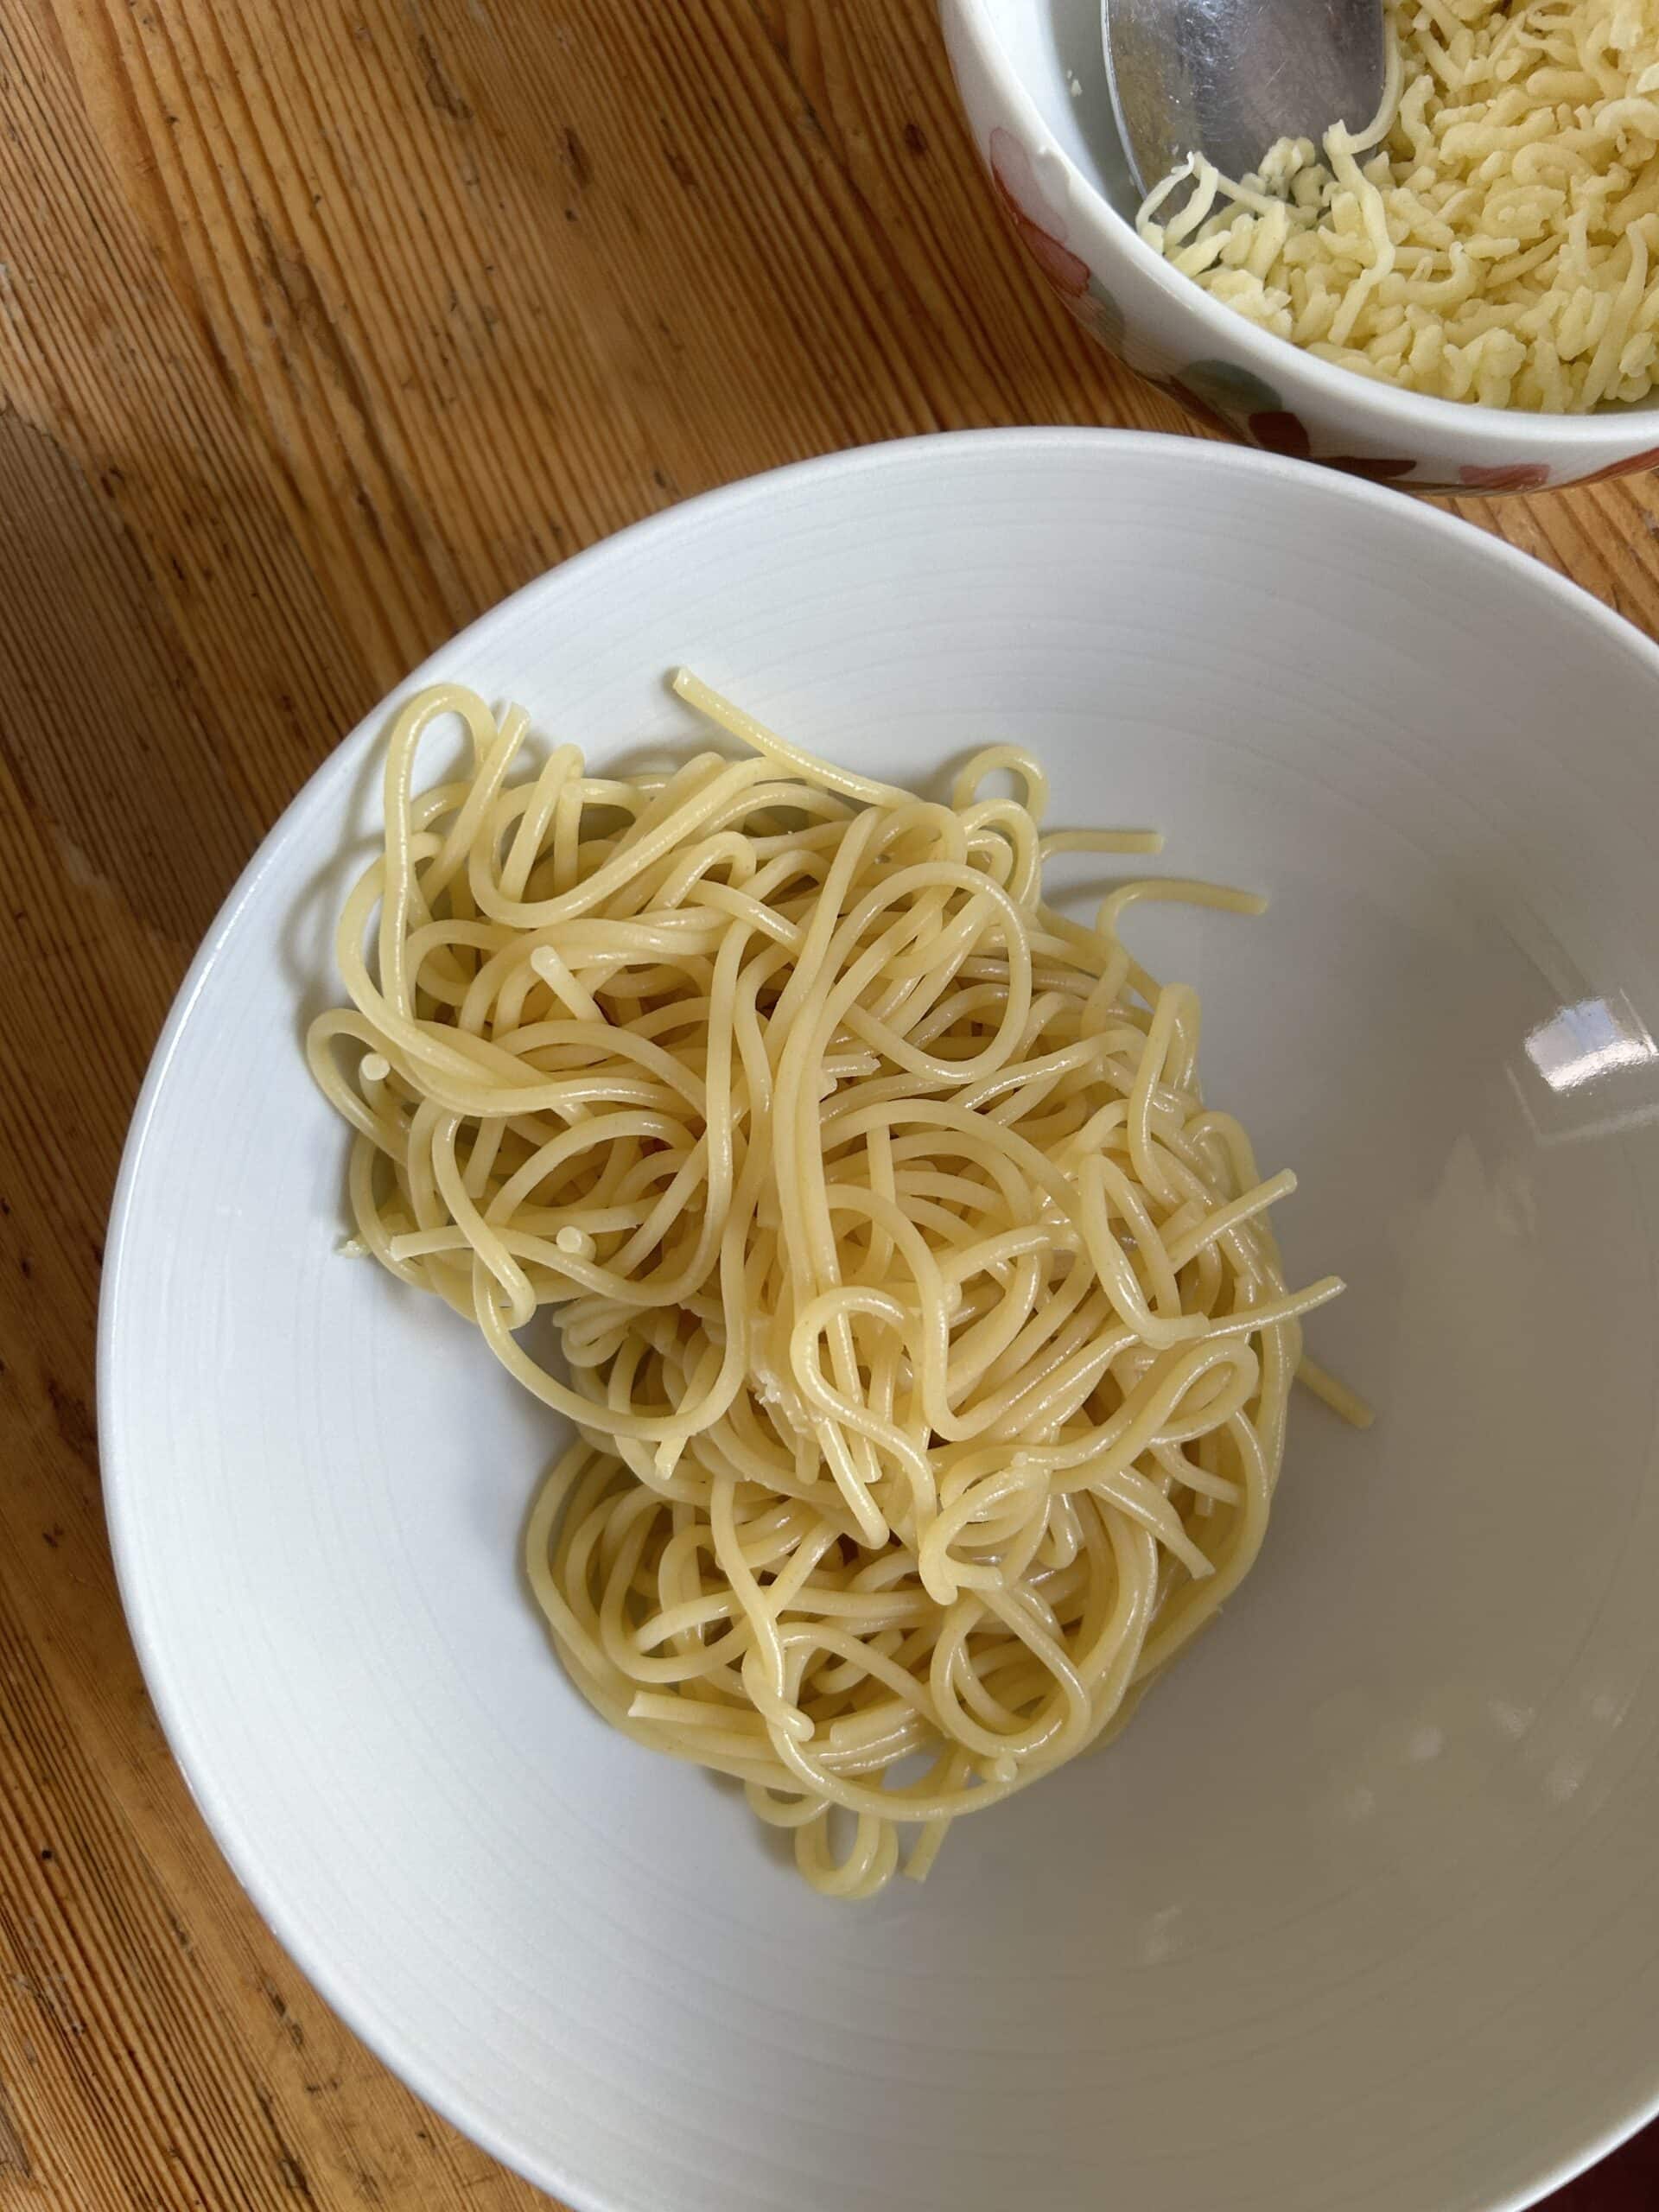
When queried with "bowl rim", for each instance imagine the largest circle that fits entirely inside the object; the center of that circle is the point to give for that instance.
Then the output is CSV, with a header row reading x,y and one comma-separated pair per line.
x,y
1606,435
261,1882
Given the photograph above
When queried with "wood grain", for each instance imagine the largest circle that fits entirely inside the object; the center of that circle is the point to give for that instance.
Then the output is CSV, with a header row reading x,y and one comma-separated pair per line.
x,y
321,327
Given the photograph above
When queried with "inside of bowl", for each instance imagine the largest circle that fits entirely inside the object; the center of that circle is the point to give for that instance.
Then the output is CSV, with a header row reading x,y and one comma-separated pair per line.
x,y
1055,48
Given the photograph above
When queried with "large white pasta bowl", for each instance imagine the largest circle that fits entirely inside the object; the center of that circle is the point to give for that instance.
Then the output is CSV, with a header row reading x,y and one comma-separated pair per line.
x,y
1359,1912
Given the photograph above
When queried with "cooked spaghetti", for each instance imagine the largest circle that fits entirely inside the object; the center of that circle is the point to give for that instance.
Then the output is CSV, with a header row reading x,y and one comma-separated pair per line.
x,y
1493,235
925,1339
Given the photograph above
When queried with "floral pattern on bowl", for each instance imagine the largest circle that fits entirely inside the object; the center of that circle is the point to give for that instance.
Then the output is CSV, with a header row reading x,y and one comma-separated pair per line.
x,y
1230,391
1516,476
1637,463
1041,229
1237,403
1277,431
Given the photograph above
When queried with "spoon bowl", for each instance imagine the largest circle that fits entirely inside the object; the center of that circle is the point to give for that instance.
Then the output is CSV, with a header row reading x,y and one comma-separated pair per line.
x,y
1226,78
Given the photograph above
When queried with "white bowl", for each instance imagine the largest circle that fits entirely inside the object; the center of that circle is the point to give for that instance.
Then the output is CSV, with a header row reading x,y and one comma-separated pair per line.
x,y
1360,1912
1032,81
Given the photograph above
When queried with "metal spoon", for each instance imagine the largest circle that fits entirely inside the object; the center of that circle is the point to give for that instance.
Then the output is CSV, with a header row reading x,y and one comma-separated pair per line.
x,y
1226,78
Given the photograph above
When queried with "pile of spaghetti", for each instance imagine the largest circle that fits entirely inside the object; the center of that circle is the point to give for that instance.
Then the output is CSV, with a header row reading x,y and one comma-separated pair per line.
x,y
923,1333
1493,236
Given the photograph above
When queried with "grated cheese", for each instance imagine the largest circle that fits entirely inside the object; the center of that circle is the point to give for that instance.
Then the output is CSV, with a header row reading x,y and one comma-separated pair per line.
x,y
1493,236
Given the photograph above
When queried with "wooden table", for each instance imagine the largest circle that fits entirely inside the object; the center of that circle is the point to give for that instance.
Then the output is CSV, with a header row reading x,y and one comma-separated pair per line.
x,y
322,326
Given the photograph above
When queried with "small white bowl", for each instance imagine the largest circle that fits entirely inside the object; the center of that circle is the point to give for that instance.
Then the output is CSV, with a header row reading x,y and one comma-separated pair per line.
x,y
1032,81
1360,1911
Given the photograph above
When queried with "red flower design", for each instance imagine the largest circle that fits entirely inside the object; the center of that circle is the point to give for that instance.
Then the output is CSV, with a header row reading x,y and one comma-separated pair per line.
x,y
1280,431
1367,465
1030,216
1633,466
1516,476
